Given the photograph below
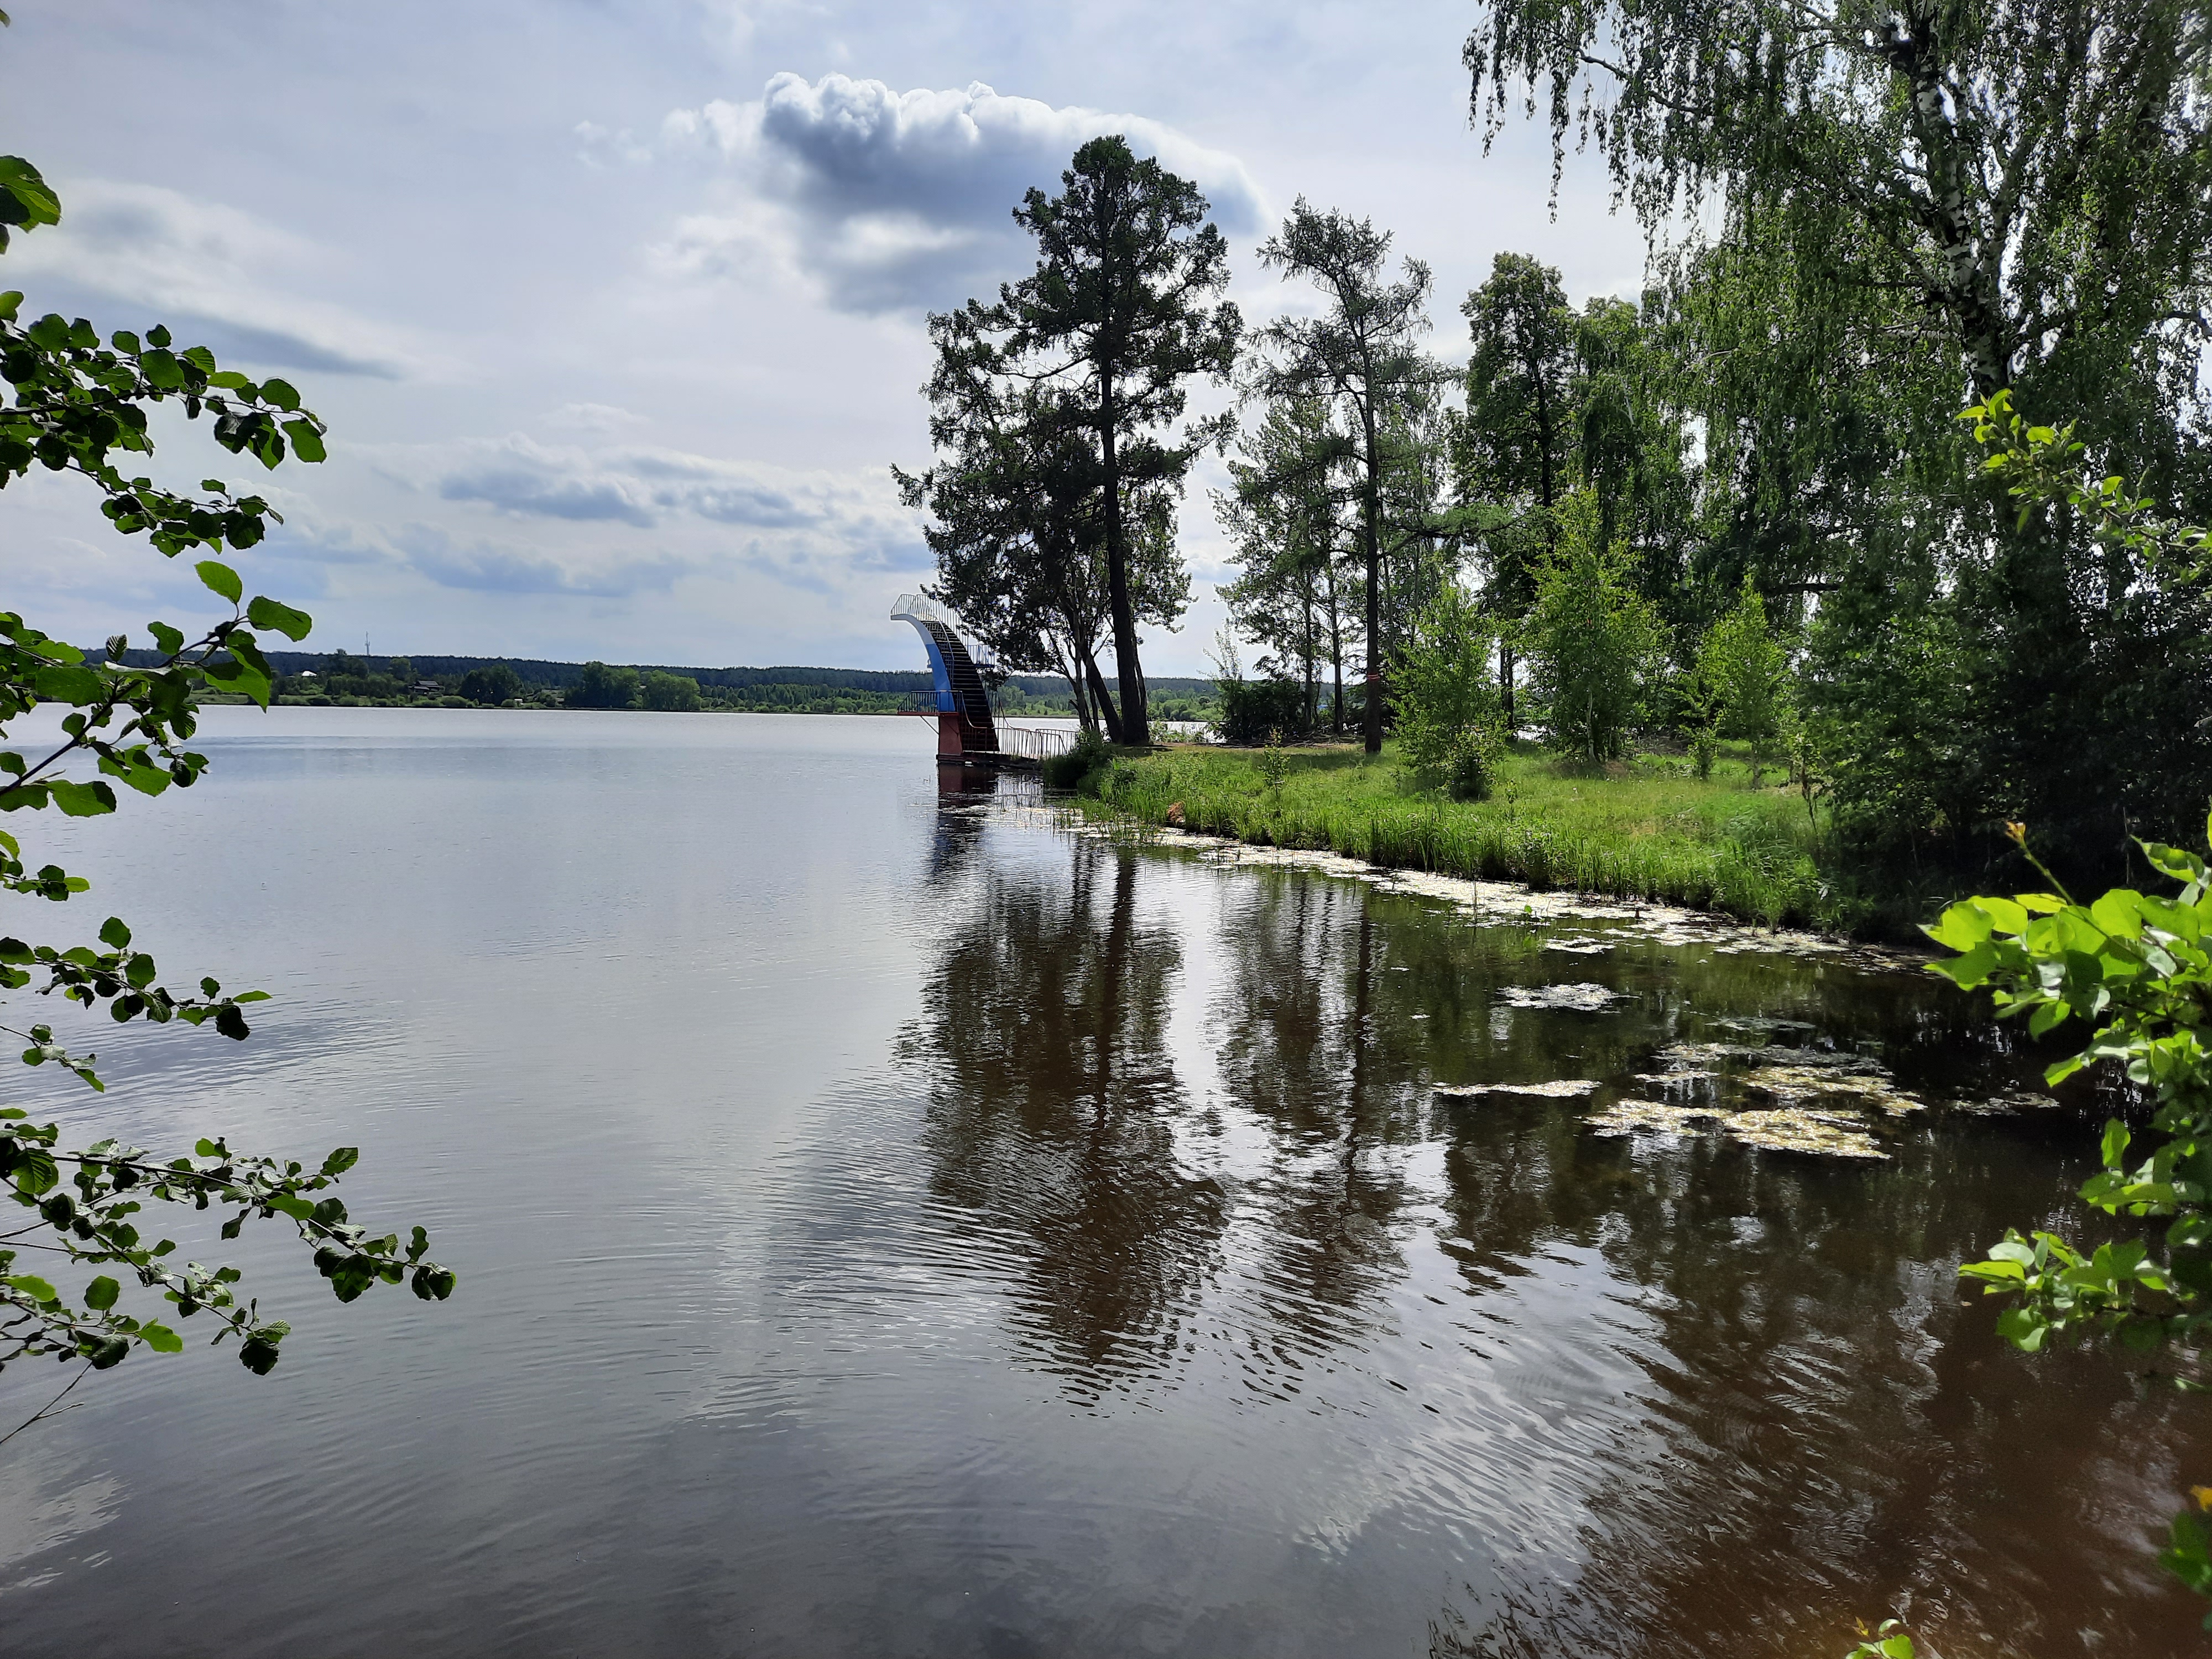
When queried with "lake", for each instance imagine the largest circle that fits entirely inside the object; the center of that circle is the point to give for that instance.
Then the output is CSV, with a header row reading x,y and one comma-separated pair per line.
x,y
891,1223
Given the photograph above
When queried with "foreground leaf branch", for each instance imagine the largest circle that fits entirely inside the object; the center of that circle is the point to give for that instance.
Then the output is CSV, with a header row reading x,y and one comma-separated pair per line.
x,y
77,405
2136,969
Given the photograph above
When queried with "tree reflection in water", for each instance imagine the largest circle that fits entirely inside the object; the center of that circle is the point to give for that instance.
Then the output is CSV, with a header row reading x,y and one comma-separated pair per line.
x,y
1750,1375
1053,1109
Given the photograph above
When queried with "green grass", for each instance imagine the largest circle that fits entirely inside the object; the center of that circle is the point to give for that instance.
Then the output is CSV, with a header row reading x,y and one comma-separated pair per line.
x,y
1647,828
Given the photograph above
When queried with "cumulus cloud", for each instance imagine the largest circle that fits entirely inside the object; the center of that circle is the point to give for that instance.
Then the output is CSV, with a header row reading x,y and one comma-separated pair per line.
x,y
645,487
221,277
811,530
891,201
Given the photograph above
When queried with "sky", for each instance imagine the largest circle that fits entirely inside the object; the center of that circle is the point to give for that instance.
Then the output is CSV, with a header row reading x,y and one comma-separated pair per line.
x,y
616,309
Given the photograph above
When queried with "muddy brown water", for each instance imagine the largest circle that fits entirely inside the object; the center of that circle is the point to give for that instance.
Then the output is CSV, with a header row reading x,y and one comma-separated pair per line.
x,y
891,1225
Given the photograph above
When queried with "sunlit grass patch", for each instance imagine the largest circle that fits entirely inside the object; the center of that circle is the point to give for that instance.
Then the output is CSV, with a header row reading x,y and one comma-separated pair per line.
x,y
1648,828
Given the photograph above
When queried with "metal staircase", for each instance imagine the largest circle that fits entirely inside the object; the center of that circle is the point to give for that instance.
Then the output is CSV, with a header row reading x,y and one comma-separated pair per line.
x,y
966,734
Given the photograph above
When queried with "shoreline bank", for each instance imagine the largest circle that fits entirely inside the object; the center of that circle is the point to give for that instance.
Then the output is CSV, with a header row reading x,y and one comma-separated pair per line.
x,y
1640,833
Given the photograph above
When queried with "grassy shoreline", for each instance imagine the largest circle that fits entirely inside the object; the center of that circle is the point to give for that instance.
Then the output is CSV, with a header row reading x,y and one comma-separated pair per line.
x,y
1648,828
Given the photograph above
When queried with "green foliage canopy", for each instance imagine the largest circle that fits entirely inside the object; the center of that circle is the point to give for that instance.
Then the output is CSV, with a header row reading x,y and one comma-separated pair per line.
x,y
668,693
493,683
602,687
1120,314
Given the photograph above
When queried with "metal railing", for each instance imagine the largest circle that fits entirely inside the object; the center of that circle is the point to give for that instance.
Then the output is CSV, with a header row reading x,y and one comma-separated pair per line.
x,y
1034,743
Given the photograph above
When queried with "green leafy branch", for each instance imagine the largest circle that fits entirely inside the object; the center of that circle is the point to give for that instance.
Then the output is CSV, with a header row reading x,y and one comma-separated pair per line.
x,y
2136,969
142,752
2041,464
89,1219
1888,1641
2133,967
79,405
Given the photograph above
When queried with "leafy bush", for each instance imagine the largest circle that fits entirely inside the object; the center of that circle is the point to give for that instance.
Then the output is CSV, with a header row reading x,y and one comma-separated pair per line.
x,y
1449,710
1471,767
1068,771
1743,676
1250,709
1705,750
1595,642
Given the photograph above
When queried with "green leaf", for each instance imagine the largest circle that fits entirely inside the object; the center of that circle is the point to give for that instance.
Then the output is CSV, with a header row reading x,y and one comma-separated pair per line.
x,y
2115,1145
1961,927
100,1295
37,1289
159,1338
62,683
307,443
1969,971
266,612
25,199
2005,916
2119,912
81,800
221,578
281,394
113,933
2023,1327
259,1355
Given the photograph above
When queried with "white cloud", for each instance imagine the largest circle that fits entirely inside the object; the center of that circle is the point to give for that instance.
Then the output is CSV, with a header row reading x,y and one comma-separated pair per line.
x,y
487,567
892,201
645,488
219,276
592,417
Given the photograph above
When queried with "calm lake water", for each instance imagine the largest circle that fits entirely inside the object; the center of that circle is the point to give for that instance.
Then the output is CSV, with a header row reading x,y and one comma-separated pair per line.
x,y
888,1227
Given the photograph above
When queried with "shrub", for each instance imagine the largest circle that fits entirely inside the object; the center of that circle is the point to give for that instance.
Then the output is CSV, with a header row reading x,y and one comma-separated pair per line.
x,y
1704,748
1471,767
1595,642
1069,770
1448,711
1250,709
1743,676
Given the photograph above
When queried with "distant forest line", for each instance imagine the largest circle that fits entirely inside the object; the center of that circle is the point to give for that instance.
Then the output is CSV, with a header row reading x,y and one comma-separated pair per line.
x,y
342,677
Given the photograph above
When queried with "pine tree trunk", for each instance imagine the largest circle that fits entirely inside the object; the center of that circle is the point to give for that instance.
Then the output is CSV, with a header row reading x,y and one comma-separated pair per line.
x,y
1135,722
1106,711
1371,714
